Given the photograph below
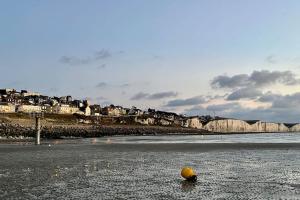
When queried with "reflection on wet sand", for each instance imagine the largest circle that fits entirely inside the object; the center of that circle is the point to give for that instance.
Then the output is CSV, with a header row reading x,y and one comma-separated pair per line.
x,y
99,168
188,186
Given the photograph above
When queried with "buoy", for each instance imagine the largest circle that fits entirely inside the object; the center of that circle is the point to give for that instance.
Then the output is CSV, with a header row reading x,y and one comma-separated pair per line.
x,y
189,174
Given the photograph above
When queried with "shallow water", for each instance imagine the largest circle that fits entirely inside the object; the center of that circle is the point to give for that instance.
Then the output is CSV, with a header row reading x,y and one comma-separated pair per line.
x,y
231,138
149,167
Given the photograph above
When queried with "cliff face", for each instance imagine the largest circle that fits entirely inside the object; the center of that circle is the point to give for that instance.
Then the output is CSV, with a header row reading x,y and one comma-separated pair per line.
x,y
240,126
228,125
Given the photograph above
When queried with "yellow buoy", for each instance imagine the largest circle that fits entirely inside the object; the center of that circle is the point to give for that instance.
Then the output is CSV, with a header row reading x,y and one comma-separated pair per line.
x,y
189,174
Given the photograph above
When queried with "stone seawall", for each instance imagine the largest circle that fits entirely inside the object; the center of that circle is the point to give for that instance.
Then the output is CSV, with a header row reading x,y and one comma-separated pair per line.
x,y
15,131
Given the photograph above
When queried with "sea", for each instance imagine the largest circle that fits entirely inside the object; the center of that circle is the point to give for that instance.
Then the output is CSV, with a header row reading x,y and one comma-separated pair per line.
x,y
236,166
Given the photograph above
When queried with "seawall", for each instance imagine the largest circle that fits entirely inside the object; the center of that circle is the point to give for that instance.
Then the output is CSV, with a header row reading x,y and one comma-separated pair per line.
x,y
59,131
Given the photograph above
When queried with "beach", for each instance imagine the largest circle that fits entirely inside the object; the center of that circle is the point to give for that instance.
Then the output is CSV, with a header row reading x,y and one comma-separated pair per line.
x,y
138,167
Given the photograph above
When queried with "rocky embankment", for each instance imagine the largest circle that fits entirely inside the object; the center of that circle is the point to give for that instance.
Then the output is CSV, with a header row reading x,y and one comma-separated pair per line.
x,y
8,130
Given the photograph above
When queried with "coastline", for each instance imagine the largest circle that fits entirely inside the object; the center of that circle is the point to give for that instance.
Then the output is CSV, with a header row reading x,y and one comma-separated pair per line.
x,y
16,131
20,127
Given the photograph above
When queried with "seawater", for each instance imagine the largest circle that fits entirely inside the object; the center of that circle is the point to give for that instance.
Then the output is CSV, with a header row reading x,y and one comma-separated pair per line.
x,y
140,167
229,138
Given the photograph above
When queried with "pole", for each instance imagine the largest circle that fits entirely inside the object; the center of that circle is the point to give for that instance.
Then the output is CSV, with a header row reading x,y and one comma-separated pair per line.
x,y
38,130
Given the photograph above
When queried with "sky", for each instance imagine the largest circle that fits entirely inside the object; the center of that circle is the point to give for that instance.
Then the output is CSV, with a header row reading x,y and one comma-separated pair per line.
x,y
232,58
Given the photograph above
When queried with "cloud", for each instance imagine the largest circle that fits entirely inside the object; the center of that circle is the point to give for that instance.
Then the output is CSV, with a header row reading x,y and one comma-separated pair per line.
x,y
125,85
274,113
102,54
155,96
103,66
186,102
224,81
105,84
139,96
223,107
283,108
100,98
157,57
71,60
287,101
196,110
270,59
162,95
98,55
244,93
265,77
212,109
257,78
101,85
269,97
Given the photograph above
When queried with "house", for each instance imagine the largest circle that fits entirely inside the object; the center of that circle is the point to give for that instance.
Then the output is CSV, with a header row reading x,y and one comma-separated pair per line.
x,y
53,102
135,111
26,93
163,115
7,91
65,99
165,122
47,108
65,109
122,111
113,110
7,108
11,100
77,103
87,111
145,120
28,108
42,99
95,110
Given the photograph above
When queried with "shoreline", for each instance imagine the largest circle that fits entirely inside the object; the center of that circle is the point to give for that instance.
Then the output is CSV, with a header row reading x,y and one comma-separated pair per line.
x,y
20,127
18,132
31,140
156,147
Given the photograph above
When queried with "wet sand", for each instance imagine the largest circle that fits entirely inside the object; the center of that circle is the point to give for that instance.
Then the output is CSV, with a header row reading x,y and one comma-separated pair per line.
x,y
101,169
202,147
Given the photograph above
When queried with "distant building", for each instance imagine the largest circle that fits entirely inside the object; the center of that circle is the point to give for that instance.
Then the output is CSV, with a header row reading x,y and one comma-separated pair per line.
x,y
65,99
78,103
26,93
28,108
113,110
87,111
135,111
95,110
165,115
7,108
64,109
7,91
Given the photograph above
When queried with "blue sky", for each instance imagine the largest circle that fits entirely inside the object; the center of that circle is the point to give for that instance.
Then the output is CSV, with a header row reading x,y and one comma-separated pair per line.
x,y
152,53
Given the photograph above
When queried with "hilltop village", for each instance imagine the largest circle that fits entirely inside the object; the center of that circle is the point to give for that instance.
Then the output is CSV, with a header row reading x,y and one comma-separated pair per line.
x,y
12,101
